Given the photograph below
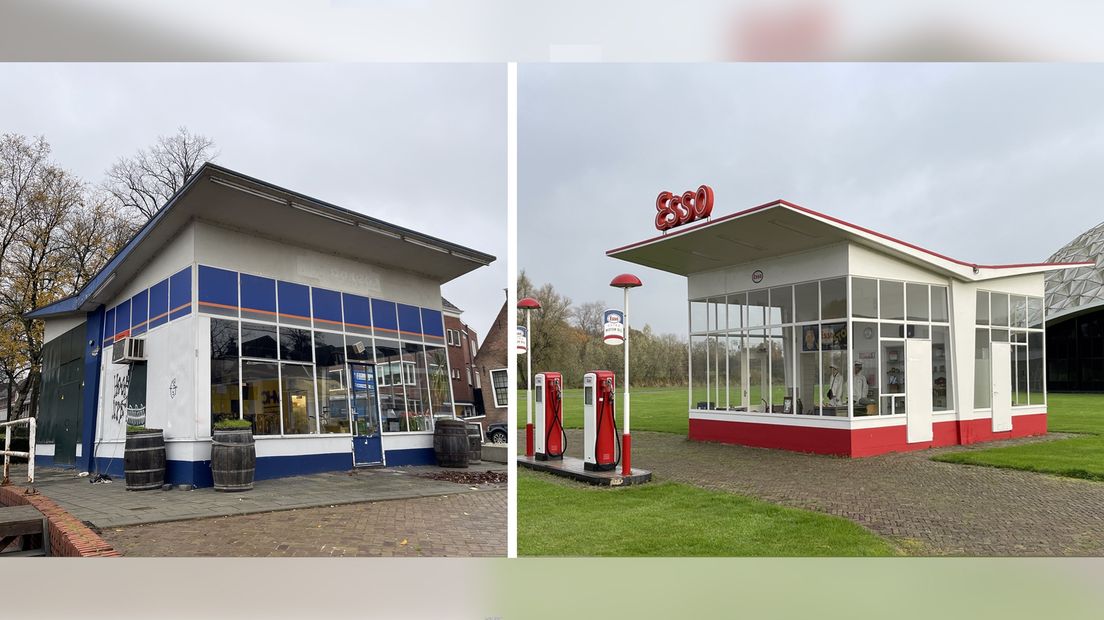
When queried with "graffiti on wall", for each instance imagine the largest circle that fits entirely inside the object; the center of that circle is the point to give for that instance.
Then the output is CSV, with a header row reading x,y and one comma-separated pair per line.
x,y
120,395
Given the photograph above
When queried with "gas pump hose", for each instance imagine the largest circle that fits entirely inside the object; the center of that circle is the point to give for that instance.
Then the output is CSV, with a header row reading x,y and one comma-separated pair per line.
x,y
557,418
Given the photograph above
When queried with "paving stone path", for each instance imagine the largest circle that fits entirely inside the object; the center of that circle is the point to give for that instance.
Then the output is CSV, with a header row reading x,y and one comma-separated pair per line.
x,y
465,524
926,507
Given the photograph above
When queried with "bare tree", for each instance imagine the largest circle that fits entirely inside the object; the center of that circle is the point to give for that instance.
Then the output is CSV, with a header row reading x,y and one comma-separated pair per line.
x,y
145,181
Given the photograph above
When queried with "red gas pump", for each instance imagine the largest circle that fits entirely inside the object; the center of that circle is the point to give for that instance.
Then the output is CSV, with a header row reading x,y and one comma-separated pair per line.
x,y
550,440
601,448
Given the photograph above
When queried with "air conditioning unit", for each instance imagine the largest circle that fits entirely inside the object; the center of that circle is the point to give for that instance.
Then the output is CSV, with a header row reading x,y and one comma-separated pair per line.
x,y
128,351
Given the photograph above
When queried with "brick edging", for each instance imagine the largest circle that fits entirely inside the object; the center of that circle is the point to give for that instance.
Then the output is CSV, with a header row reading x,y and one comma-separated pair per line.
x,y
68,536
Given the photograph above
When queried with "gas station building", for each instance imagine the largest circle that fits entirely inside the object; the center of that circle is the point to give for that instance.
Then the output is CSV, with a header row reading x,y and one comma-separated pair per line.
x,y
813,334
240,299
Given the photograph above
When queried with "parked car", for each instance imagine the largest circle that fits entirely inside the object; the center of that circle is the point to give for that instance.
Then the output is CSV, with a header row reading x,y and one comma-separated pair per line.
x,y
498,433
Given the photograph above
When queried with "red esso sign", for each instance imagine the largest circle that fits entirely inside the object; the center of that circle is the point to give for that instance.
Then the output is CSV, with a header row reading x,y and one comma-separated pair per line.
x,y
674,210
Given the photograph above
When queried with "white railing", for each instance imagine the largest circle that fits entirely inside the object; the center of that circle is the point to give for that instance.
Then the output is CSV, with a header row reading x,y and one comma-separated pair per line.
x,y
8,452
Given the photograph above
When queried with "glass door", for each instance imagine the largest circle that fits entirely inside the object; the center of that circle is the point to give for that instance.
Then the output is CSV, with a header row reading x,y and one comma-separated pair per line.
x,y
367,443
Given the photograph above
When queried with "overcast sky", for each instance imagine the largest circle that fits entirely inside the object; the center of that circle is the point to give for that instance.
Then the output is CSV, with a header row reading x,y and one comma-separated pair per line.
x,y
421,146
986,163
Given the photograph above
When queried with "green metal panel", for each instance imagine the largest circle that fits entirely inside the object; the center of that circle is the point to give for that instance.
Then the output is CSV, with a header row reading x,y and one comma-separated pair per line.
x,y
59,417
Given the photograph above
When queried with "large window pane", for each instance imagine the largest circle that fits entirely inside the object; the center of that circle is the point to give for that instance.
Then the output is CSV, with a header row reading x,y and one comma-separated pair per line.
x,y
892,298
807,301
258,340
864,298
699,372
757,304
1035,312
1019,311
329,356
1019,375
781,351
698,315
261,396
717,371
736,310
225,395
758,371
916,296
982,313
864,380
358,348
983,384
939,310
439,394
736,353
942,379
893,374
416,381
998,309
807,399
833,299
300,414
390,382
781,301
295,344
1035,395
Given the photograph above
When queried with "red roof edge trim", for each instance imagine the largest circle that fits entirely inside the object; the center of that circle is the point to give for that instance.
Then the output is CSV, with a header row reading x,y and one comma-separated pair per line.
x,y
847,224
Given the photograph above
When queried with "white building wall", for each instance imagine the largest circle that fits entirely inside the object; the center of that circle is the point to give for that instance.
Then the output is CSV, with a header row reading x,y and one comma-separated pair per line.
x,y
173,256
55,327
865,262
826,262
247,253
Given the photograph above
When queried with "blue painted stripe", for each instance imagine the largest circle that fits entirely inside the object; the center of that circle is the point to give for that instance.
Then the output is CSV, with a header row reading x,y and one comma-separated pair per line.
x,y
410,321
327,308
383,315
358,312
109,328
218,289
122,317
90,396
159,303
180,294
259,294
294,301
432,323
139,313
412,456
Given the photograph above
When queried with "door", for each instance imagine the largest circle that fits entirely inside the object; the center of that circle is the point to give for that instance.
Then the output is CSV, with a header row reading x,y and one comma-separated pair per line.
x,y
367,443
67,412
918,391
1001,376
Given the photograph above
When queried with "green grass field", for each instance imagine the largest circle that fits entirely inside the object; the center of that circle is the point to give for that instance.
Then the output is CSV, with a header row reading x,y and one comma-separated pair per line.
x,y
662,519
1080,457
653,409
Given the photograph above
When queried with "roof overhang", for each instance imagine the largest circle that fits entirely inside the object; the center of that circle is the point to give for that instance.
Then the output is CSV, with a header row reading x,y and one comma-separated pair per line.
x,y
226,198
778,228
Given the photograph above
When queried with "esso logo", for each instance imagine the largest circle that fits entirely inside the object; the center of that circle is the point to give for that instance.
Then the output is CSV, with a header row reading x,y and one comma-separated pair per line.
x,y
757,276
673,210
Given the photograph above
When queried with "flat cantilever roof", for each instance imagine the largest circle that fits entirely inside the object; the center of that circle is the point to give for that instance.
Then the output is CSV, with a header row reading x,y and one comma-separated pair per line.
x,y
741,237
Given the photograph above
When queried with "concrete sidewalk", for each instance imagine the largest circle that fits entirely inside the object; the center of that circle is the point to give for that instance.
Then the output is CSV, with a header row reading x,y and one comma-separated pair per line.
x,y
111,505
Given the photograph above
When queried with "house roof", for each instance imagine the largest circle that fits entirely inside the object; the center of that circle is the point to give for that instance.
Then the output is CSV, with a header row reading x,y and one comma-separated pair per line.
x,y
780,227
232,199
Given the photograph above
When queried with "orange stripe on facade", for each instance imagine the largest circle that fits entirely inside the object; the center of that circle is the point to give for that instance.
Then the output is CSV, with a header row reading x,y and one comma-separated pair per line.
x,y
184,305
214,305
293,316
327,321
258,311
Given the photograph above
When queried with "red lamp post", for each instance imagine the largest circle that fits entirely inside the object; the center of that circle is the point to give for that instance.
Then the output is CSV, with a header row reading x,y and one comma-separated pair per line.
x,y
626,281
528,304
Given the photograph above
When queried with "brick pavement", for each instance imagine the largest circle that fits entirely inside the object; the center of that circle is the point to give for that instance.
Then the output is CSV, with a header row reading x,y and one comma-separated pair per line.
x,y
111,505
464,524
926,507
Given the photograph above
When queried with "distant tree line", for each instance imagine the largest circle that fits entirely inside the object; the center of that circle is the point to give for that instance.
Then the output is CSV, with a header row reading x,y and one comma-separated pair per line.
x,y
58,230
567,338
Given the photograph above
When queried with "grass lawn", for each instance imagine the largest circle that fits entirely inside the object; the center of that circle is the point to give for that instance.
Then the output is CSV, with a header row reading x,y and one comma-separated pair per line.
x,y
1080,457
560,518
653,409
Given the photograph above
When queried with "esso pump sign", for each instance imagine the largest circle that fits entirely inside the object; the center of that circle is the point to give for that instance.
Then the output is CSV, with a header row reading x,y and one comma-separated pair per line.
x,y
674,210
613,327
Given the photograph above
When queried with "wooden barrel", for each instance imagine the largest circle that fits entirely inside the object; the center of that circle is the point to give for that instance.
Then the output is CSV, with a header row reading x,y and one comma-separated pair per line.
x,y
233,460
450,443
144,460
475,443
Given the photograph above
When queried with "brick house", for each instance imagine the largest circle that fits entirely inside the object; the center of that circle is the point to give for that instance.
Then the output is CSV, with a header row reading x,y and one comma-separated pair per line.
x,y
491,382
462,343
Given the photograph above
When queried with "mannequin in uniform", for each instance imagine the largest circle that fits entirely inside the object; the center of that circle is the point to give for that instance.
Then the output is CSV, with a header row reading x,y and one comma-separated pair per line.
x,y
835,386
859,389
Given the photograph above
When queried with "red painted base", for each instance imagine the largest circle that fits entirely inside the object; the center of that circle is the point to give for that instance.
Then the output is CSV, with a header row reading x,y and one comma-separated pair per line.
x,y
860,442
529,439
626,455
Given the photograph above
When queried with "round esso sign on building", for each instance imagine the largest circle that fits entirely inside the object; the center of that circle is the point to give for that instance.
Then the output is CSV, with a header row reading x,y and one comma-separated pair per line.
x,y
613,324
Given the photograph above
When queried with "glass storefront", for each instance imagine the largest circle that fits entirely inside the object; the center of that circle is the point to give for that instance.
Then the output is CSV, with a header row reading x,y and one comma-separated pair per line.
x,y
795,350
